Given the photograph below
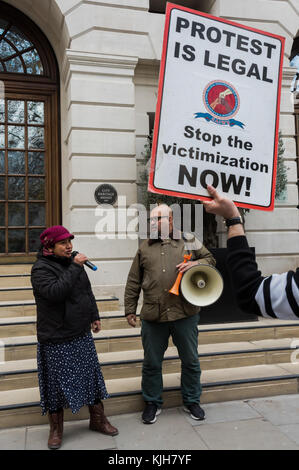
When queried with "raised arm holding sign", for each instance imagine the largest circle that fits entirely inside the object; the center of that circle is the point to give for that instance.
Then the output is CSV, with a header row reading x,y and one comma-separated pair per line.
x,y
275,296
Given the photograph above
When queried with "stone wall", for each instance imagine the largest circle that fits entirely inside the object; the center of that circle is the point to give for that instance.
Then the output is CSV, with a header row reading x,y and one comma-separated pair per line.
x,y
108,53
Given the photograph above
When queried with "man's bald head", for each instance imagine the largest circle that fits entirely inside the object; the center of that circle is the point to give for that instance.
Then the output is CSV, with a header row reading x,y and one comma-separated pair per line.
x,y
161,221
161,210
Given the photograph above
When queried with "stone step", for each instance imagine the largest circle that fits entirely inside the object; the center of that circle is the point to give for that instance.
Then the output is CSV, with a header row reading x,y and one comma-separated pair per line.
x,y
23,373
26,325
21,294
128,339
27,308
10,309
15,269
24,347
17,326
16,293
21,407
15,280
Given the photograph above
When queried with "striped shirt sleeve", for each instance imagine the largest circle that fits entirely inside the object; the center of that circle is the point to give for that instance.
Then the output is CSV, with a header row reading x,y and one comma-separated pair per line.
x,y
278,296
275,296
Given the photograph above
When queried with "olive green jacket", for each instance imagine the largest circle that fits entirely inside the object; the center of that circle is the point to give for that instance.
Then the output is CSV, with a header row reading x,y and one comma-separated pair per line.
x,y
154,271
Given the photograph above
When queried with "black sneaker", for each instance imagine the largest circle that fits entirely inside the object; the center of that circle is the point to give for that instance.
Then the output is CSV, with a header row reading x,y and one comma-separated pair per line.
x,y
195,411
150,413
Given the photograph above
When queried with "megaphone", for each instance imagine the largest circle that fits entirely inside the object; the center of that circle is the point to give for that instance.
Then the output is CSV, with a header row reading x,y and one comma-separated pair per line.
x,y
202,285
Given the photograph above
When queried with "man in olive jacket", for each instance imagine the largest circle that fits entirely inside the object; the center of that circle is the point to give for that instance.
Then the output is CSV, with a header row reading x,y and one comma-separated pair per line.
x,y
154,270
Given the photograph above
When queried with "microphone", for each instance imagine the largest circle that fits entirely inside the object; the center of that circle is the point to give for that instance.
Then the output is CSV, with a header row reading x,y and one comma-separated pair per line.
x,y
87,263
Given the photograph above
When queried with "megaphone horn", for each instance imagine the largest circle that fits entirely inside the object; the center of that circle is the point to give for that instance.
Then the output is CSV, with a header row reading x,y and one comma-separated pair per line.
x,y
202,285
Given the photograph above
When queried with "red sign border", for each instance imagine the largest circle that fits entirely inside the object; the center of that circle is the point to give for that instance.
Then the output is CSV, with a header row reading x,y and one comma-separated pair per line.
x,y
169,8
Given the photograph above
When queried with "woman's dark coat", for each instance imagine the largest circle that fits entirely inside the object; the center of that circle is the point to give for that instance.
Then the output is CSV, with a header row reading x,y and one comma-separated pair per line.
x,y
66,306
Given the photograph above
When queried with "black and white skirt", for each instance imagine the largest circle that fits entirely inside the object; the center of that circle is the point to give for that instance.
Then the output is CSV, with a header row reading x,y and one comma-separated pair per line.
x,y
69,375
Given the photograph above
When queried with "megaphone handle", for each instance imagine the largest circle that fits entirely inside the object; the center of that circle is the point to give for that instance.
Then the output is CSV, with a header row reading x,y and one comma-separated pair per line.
x,y
175,288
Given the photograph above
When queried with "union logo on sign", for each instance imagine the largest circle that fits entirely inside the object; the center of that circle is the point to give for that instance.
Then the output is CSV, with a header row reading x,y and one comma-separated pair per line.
x,y
222,102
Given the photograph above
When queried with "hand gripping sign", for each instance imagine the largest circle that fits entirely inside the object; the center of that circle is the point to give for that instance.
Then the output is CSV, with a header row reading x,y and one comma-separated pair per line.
x,y
217,111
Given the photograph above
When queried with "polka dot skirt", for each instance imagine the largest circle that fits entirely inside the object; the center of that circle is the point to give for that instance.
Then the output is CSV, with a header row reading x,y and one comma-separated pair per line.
x,y
69,375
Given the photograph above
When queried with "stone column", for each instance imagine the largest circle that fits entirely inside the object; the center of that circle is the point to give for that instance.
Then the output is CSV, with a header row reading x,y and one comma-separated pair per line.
x,y
99,147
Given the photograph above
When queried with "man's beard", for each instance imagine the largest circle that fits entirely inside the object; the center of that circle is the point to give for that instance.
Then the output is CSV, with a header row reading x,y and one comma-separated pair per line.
x,y
154,234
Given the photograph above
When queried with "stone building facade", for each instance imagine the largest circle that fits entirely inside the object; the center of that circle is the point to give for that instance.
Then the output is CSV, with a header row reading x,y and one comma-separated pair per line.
x,y
108,54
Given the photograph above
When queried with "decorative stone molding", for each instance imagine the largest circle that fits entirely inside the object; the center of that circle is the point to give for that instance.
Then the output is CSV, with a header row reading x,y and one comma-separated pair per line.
x,y
76,61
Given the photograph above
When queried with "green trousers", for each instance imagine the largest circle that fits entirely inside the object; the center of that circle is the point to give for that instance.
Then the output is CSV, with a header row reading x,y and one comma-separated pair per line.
x,y
155,338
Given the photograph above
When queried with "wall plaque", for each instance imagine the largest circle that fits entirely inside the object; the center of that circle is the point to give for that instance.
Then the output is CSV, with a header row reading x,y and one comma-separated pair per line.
x,y
105,194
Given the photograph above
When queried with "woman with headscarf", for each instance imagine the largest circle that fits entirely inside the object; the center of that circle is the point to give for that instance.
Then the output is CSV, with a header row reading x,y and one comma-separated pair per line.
x,y
69,372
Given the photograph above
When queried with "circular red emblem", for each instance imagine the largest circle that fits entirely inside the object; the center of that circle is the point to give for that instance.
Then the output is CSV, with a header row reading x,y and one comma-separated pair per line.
x,y
221,99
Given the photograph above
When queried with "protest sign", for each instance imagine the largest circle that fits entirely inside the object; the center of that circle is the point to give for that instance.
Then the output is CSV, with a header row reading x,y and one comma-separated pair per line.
x,y
217,112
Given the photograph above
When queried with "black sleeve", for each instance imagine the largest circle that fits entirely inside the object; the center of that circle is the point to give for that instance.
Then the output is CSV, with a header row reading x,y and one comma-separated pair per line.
x,y
244,272
46,283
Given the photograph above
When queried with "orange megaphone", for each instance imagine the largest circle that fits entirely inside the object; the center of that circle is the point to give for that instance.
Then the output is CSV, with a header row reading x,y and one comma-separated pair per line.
x,y
176,286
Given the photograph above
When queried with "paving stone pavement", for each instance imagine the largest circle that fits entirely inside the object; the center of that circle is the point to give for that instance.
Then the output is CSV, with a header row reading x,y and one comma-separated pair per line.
x,y
270,423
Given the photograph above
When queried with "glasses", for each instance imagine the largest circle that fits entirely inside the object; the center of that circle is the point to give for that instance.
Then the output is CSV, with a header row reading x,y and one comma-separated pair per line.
x,y
158,218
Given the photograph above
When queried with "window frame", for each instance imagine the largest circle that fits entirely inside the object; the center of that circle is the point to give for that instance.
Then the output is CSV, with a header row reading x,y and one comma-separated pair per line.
x,y
38,39
45,87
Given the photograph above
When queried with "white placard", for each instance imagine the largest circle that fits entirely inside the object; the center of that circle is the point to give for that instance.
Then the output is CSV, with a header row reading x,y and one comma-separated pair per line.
x,y
217,111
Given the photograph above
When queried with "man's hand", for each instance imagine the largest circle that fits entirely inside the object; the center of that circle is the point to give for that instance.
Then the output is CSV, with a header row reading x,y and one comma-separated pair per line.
x,y
96,326
131,319
220,205
182,267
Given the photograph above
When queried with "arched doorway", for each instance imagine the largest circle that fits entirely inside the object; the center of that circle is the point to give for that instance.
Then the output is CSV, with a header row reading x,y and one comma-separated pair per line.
x,y
29,136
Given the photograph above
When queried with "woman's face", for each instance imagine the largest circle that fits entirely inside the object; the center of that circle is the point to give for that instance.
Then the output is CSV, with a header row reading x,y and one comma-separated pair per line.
x,y
63,248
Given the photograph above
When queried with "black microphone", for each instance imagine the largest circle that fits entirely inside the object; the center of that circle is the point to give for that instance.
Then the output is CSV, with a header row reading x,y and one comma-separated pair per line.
x,y
87,263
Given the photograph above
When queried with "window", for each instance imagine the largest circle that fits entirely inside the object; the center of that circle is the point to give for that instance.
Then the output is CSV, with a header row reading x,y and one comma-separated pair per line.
x,y
29,146
17,53
159,6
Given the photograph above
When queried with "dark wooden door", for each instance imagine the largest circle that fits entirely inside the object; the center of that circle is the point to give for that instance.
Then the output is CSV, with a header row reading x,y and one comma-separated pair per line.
x,y
29,135
24,170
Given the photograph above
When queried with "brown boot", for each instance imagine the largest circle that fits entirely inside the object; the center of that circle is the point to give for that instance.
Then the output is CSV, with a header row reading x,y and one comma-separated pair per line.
x,y
56,429
99,422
